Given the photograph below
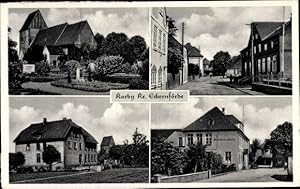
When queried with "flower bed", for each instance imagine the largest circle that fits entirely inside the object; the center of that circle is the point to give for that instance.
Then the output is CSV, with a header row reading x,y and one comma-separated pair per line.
x,y
138,84
93,86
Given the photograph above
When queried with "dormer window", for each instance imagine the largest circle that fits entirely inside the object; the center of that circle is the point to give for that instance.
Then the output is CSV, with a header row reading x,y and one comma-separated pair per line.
x,y
211,122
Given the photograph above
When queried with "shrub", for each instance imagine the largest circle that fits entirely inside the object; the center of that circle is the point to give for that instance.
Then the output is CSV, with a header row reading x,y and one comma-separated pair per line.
x,y
138,84
120,78
42,68
107,65
16,160
15,75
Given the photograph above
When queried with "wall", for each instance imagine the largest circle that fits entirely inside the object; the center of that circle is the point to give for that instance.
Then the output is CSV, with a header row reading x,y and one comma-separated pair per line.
x,y
287,52
184,178
158,57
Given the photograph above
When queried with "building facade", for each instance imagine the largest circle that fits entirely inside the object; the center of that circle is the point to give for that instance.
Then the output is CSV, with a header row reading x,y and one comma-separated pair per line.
x,y
195,57
63,38
75,145
270,50
221,133
159,48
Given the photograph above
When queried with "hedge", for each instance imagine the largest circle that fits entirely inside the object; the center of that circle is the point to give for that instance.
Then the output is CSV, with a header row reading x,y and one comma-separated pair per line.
x,y
120,78
93,86
138,84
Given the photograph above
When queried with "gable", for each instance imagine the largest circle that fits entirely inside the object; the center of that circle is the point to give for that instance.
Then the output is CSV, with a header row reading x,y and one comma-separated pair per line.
x,y
34,20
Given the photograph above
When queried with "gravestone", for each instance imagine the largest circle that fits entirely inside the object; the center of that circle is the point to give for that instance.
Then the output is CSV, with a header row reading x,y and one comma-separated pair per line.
x,y
28,68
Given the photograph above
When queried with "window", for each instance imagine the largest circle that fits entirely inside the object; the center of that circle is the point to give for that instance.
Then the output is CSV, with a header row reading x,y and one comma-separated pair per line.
x,y
154,37
159,39
65,51
84,157
44,145
210,122
199,139
70,144
80,146
259,65
164,43
38,146
259,47
38,158
88,157
254,49
263,65
80,158
159,76
272,44
266,47
246,67
153,75
190,139
75,145
95,158
269,64
274,64
180,142
228,157
208,139
256,36
27,147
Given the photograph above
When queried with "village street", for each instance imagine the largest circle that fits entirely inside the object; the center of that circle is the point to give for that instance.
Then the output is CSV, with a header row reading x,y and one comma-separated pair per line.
x,y
252,175
213,86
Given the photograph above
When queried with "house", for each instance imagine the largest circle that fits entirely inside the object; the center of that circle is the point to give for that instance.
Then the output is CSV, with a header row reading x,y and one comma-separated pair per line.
x,y
63,39
107,143
159,48
182,76
270,50
221,133
76,146
235,67
206,67
263,155
195,57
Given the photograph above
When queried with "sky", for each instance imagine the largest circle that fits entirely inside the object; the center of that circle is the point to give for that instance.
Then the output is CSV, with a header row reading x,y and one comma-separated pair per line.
x,y
261,114
131,21
216,28
96,115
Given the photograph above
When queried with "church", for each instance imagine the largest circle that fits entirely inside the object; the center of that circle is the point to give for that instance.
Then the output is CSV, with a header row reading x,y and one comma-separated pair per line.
x,y
59,40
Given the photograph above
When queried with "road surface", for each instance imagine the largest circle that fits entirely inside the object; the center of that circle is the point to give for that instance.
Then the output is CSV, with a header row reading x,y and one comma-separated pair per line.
x,y
252,175
210,86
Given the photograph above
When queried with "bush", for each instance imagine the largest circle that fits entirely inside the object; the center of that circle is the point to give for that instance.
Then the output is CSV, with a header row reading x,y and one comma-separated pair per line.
x,y
42,68
93,86
120,78
107,65
24,170
15,75
138,84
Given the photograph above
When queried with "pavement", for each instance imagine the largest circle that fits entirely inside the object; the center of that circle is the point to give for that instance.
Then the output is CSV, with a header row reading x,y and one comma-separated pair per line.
x,y
252,175
215,85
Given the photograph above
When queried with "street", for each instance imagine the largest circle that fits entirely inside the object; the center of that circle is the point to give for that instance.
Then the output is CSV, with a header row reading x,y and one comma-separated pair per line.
x,y
211,86
252,175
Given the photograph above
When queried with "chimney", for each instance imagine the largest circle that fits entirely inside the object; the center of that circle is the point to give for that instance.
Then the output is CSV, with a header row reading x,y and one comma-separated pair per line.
x,y
64,118
44,120
223,110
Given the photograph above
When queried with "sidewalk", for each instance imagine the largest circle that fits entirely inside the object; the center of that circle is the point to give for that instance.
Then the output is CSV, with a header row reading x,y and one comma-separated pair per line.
x,y
243,88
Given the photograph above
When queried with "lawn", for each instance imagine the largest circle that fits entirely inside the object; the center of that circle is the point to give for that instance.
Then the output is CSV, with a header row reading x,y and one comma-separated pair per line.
x,y
123,175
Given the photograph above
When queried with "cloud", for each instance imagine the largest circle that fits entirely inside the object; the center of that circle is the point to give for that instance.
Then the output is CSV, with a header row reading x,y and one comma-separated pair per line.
x,y
259,122
117,120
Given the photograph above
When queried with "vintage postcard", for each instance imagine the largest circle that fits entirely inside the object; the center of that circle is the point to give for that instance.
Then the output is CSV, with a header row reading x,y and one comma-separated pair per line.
x,y
150,94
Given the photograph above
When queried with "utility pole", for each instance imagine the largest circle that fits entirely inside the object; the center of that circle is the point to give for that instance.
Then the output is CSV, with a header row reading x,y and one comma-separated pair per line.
x,y
182,45
283,34
252,52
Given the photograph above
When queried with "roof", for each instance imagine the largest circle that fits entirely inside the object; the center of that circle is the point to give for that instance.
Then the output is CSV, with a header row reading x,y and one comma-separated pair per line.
x,y
265,28
236,62
54,50
107,141
233,119
162,133
221,122
279,29
49,36
51,131
192,51
172,42
70,34
29,20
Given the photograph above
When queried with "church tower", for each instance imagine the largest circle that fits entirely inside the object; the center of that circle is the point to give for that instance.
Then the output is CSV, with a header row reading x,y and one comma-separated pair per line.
x,y
32,25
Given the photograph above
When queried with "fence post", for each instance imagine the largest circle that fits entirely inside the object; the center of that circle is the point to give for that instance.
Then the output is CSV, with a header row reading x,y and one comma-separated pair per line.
x,y
209,173
157,178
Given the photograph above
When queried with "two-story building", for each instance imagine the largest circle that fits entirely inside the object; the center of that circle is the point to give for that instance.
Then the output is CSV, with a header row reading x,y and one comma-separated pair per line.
x,y
221,133
159,48
270,48
76,146
195,57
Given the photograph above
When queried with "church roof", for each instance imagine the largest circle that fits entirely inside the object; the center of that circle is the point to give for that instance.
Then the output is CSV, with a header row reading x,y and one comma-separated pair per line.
x,y
51,131
49,36
107,141
29,20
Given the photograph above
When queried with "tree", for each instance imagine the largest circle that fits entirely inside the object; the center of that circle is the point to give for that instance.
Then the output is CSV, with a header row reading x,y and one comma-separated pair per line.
x,y
116,44
197,158
34,54
15,75
137,46
51,155
166,159
12,52
100,49
282,139
220,63
175,60
256,144
172,26
144,69
106,65
16,160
